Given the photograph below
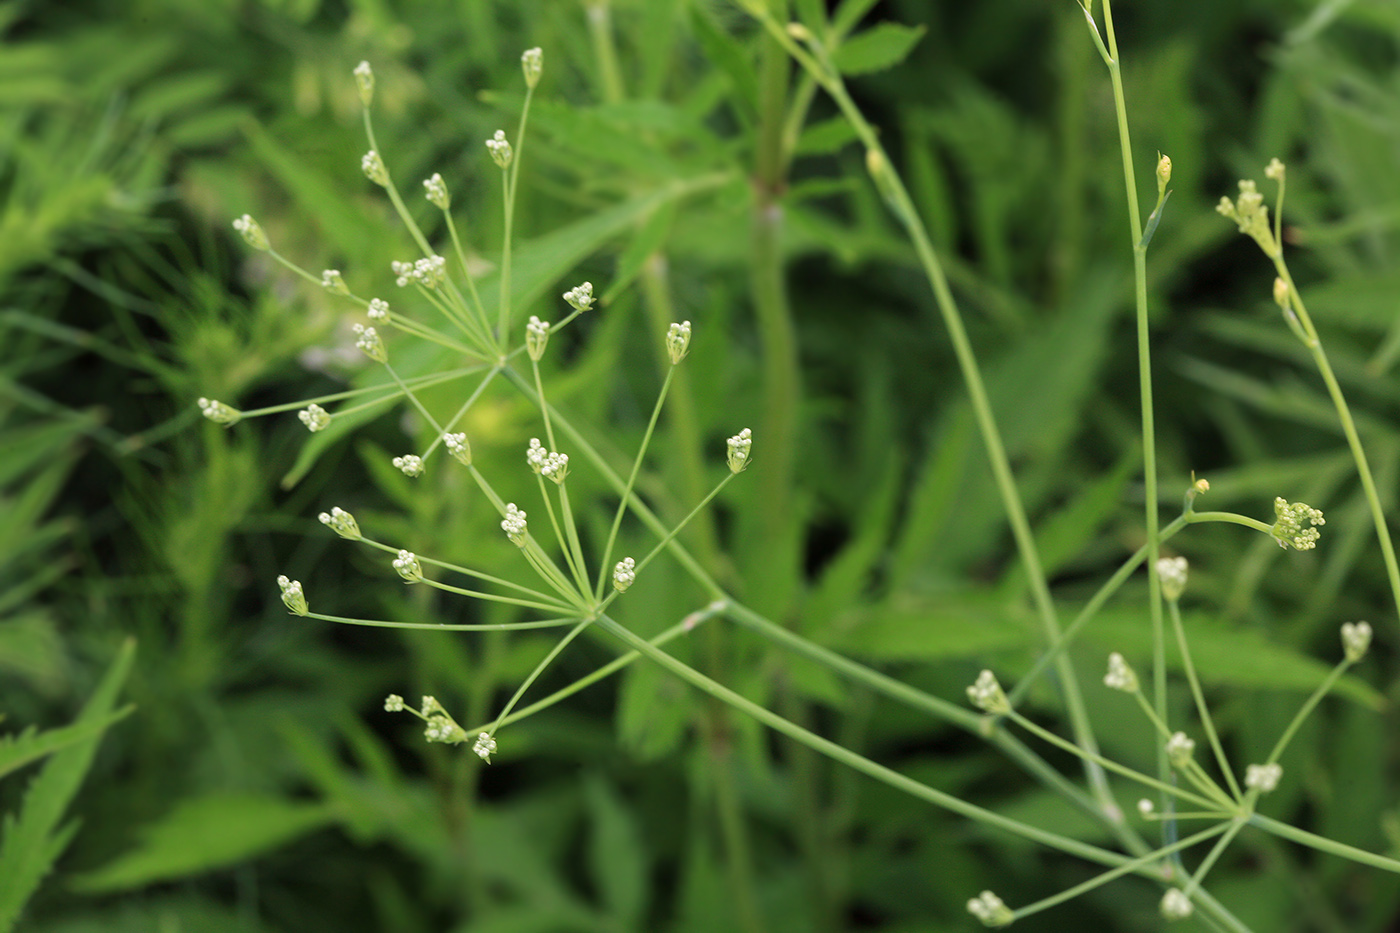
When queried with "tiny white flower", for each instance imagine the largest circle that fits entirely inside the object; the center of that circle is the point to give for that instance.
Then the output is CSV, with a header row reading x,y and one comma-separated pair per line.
x,y
1172,572
580,297
332,282
739,446
219,413
393,703
1356,639
514,525
678,342
1275,170
484,747
409,464
314,417
1176,905
341,522
990,909
1263,778
1179,749
292,596
364,80
370,343
536,337
458,447
1146,807
436,192
532,63
373,167
500,150
1288,528
252,233
378,310
624,574
1120,676
986,694
406,563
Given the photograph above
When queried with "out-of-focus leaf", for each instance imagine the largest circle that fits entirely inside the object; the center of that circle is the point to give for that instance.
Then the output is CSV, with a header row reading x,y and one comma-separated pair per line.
x,y
882,46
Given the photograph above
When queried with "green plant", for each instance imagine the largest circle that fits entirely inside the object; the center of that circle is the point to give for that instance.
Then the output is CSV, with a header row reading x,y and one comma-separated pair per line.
x,y
572,593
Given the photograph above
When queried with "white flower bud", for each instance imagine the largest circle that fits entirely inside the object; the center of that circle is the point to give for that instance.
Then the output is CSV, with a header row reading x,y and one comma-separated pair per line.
x,y
580,297
1356,639
219,413
500,150
484,747
1180,747
373,167
341,522
739,445
986,694
314,417
409,464
393,703
990,909
371,344
624,574
332,282
678,342
378,310
458,446
406,563
1172,572
536,337
1120,676
514,525
437,192
1176,905
364,80
1263,778
252,233
532,64
292,596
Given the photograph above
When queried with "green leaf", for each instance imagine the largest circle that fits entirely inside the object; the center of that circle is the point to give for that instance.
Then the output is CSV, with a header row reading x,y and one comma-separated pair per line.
x,y
33,840
617,858
882,46
648,240
206,833
16,751
826,136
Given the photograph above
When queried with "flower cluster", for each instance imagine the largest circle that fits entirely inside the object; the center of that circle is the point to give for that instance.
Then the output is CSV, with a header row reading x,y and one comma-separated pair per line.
x,y
373,167
332,282
292,596
429,272
370,343
553,466
378,309
1289,529
314,417
678,342
219,413
1252,216
1120,676
1356,638
1263,778
536,337
341,522
409,464
440,727
514,525
407,566
986,694
458,446
739,446
500,150
580,297
1180,748
624,574
1172,572
990,909
435,190
252,233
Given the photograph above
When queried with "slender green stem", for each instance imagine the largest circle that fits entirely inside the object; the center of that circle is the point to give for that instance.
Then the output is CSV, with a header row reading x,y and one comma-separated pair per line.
x,y
539,669
1306,709
632,481
1323,844
1207,722
442,627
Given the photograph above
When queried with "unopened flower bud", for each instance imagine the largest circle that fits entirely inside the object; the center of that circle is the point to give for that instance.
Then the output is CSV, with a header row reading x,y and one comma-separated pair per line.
x,y
1275,170
532,64
514,525
986,694
1176,905
458,446
406,563
314,417
1263,778
341,522
371,343
1288,527
332,282
500,150
624,574
436,192
219,413
1120,676
739,446
1281,293
1356,639
373,167
252,233
409,464
580,297
484,747
393,703
1164,173
1180,748
364,80
292,596
990,909
1172,572
536,337
678,341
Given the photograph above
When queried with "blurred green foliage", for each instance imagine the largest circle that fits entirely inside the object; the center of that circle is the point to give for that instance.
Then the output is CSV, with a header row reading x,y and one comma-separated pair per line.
x,y
258,786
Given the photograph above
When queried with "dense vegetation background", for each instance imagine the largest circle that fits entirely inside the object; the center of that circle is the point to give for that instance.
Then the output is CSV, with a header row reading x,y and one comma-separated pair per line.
x,y
259,786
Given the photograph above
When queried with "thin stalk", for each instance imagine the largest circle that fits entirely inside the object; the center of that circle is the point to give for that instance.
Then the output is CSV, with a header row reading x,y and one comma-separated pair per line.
x,y
539,669
441,627
1207,722
1323,844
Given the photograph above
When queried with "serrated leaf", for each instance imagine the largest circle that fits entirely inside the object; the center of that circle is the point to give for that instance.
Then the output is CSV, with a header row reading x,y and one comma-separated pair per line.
x,y
16,751
882,46
206,833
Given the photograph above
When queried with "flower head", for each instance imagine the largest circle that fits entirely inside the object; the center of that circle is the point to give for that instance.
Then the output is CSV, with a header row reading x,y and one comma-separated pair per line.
x,y
990,909
378,309
372,345
393,703
1164,173
1172,572
739,446
406,563
624,574
332,282
364,80
373,167
1120,676
514,525
580,297
440,726
678,341
532,64
1288,527
409,464
252,233
436,192
458,446
986,694
500,150
536,337
1252,217
1263,778
292,596
428,272
1275,170
1176,905
314,417
219,413
1356,638
341,522
1180,747
484,747
553,466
